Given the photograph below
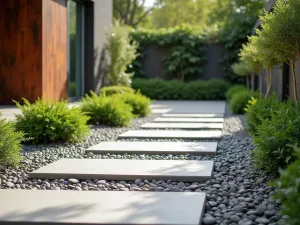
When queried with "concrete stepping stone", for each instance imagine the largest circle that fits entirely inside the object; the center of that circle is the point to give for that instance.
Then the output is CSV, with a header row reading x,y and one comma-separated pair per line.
x,y
95,207
187,126
189,120
125,169
144,147
185,115
169,134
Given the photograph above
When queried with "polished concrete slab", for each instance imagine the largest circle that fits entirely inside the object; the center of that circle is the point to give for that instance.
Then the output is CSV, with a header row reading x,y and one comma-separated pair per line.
x,y
193,107
188,120
144,147
125,169
28,207
170,134
188,115
184,126
160,110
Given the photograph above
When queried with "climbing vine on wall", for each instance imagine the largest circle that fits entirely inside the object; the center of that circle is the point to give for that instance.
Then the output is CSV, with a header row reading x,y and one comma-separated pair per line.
x,y
186,53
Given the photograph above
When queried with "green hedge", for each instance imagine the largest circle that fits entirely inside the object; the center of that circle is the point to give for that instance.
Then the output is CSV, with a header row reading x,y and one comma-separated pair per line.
x,y
160,89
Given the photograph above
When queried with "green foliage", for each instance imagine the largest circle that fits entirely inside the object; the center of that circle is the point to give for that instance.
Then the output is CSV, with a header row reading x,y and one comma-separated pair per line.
x,y
274,137
139,103
107,110
185,51
171,13
261,111
239,100
111,90
159,89
250,56
250,104
236,88
288,191
279,39
122,51
10,143
45,121
241,69
240,16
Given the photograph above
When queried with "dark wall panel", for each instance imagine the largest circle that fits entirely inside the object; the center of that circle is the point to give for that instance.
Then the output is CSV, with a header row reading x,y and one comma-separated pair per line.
x,y
20,50
152,64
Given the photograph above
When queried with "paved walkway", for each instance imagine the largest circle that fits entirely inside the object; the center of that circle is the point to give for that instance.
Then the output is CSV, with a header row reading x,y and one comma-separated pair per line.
x,y
168,208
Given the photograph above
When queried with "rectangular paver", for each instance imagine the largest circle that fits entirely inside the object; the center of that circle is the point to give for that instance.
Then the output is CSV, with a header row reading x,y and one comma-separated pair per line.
x,y
187,115
169,134
92,207
186,126
192,106
144,147
125,169
189,120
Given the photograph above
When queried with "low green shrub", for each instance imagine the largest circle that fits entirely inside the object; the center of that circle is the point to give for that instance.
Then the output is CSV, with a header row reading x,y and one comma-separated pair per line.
x,y
107,110
236,88
10,143
274,137
288,191
240,99
160,89
111,90
140,104
45,121
261,111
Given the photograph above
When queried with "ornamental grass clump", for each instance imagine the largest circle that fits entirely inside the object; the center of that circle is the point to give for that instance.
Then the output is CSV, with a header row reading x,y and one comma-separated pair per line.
x,y
140,104
47,121
10,143
111,90
107,110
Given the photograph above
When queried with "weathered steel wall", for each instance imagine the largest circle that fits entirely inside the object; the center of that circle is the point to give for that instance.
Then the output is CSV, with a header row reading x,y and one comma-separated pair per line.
x,y
33,50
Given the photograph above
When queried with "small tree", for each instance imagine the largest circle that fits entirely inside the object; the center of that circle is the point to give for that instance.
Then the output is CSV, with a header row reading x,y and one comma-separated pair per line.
x,y
249,55
242,69
122,51
267,56
281,29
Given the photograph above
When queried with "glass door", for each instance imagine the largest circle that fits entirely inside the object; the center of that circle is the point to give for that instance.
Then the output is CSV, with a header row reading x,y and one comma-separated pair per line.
x,y
76,48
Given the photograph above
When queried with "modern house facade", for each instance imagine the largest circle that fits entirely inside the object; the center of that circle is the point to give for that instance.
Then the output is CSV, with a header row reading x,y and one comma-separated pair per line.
x,y
52,48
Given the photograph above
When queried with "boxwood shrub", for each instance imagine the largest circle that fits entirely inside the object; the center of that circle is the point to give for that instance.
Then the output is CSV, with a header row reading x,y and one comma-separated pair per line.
x,y
140,104
231,91
44,121
10,143
261,111
275,136
239,101
111,90
107,110
160,89
288,191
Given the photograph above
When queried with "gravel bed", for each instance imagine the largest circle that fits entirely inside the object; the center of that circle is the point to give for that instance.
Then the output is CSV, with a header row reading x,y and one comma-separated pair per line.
x,y
237,195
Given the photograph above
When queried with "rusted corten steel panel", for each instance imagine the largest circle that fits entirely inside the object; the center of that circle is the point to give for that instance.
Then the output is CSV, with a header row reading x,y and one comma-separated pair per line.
x,y
33,49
